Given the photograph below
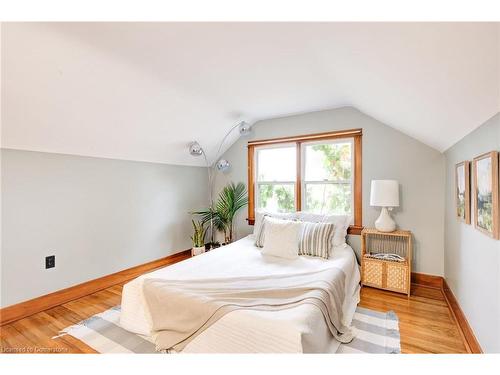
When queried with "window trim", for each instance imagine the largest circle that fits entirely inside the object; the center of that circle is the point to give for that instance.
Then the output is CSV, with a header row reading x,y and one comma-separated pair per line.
x,y
355,134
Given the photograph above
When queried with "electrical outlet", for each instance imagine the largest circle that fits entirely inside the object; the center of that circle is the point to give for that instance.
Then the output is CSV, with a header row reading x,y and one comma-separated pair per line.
x,y
50,261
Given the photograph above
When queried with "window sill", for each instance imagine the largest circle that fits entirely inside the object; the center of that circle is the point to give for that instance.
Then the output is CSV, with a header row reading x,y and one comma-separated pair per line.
x,y
353,229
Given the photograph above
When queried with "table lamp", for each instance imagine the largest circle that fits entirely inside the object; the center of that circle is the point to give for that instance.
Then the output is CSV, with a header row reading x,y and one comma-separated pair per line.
x,y
385,194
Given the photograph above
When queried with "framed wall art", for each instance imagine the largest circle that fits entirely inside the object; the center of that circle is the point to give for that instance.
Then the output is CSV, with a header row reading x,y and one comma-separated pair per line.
x,y
462,191
486,193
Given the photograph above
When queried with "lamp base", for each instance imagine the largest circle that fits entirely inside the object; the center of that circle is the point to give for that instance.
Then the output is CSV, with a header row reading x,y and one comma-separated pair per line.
x,y
385,223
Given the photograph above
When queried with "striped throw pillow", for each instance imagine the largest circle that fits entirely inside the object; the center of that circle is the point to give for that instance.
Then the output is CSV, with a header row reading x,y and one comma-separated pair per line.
x,y
259,231
316,239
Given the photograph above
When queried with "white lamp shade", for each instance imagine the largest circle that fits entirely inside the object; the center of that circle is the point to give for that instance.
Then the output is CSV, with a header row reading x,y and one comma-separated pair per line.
x,y
384,193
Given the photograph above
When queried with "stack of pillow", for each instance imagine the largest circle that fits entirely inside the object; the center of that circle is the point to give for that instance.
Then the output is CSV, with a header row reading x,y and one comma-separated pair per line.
x,y
300,233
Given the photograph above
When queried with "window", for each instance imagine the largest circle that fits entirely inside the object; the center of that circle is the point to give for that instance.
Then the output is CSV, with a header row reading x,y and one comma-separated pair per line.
x,y
327,170
318,173
276,176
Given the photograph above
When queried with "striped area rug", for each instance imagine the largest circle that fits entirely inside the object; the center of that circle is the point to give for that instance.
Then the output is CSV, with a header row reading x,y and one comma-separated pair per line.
x,y
376,332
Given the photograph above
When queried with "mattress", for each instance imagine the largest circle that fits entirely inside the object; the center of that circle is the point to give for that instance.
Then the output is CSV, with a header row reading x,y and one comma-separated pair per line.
x,y
301,329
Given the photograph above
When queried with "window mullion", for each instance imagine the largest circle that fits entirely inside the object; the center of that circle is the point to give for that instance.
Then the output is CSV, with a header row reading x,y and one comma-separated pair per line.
x,y
328,181
298,178
275,182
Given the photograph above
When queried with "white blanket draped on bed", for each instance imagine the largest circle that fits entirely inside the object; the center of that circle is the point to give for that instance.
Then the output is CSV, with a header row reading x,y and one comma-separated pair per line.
x,y
298,329
181,310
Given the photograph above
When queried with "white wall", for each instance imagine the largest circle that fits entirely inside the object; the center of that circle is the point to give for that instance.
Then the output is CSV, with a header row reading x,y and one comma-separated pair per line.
x,y
387,154
472,259
98,216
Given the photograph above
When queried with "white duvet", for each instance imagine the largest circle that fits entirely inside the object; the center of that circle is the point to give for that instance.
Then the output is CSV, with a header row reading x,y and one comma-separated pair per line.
x,y
300,329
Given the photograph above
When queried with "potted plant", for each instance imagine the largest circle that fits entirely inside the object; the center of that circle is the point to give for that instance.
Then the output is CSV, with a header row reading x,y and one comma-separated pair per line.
x,y
215,221
198,238
231,199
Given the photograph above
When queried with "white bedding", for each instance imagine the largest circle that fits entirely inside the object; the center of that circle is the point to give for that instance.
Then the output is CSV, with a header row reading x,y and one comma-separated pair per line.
x,y
296,330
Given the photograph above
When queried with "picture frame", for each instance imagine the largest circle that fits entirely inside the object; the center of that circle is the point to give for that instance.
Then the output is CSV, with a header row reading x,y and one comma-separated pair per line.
x,y
486,193
462,191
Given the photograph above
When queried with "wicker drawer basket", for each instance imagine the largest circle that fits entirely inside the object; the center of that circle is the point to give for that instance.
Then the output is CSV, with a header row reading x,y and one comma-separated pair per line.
x,y
386,274
381,273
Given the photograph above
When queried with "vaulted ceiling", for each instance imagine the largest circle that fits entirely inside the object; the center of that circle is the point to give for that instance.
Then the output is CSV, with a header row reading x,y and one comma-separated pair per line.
x,y
143,91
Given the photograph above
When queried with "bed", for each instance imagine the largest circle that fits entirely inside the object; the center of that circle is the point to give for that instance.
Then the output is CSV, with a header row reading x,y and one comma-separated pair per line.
x,y
300,329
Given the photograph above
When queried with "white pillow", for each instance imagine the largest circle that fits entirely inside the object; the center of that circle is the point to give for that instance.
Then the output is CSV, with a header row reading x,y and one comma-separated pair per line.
x,y
341,222
259,223
282,238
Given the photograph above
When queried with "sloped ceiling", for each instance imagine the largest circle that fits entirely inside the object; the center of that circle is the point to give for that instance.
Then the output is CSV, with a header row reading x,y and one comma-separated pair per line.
x,y
143,91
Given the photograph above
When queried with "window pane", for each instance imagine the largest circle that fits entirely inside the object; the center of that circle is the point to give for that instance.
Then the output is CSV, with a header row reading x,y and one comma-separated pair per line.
x,y
328,161
328,198
277,198
276,164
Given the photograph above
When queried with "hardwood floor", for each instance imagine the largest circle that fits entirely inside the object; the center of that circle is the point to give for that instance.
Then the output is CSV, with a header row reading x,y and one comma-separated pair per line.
x,y
35,333
426,323
425,320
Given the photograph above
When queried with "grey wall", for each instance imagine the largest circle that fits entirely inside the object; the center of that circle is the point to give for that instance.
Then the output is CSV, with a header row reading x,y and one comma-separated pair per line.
x,y
98,216
387,154
472,259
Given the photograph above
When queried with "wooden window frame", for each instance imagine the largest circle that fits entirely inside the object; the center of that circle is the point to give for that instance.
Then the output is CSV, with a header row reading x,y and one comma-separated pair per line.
x,y
355,134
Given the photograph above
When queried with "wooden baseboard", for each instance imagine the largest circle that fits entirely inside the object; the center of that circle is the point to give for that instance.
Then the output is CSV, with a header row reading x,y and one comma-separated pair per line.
x,y
21,310
427,280
458,315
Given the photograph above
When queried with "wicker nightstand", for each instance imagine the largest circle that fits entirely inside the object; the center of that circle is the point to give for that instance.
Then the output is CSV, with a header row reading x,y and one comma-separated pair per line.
x,y
386,274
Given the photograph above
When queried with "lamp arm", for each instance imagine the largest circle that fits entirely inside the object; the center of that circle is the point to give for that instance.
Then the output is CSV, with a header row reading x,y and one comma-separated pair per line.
x,y
224,139
210,189
210,167
211,175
